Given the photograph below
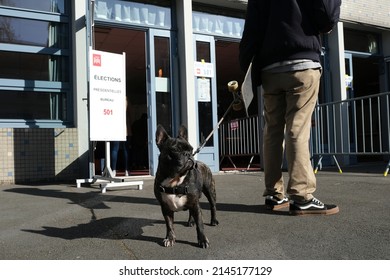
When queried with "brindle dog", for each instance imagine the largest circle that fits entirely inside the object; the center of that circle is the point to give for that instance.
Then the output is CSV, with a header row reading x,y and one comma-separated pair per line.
x,y
179,183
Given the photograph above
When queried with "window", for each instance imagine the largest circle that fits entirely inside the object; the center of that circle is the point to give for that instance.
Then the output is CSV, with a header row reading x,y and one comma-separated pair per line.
x,y
218,25
32,105
163,75
33,32
205,110
387,61
28,66
127,12
55,6
359,41
35,63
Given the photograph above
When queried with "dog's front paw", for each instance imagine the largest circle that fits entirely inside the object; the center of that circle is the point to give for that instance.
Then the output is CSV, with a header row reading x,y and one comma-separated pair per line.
x,y
204,243
169,242
214,222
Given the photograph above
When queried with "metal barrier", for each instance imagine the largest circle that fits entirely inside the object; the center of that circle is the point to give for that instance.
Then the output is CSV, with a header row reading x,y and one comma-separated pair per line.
x,y
240,137
353,127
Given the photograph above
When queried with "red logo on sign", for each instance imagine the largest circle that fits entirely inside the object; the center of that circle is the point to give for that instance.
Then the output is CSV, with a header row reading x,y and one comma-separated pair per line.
x,y
234,125
97,60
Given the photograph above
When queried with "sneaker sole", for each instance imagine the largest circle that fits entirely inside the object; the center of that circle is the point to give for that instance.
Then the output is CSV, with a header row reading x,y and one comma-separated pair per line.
x,y
277,206
332,211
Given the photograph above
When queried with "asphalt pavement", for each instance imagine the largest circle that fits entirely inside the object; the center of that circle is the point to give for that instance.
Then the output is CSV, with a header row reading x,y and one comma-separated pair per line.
x,y
62,222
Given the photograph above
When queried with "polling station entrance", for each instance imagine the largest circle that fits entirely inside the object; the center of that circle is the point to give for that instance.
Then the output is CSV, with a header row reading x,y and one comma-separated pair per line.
x,y
221,53
148,93
160,88
133,153
147,100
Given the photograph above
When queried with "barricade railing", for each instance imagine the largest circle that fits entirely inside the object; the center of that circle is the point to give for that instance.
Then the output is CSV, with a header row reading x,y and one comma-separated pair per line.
x,y
239,137
352,127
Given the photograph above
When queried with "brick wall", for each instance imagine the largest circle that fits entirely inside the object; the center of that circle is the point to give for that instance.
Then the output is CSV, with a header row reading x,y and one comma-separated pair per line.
x,y
373,12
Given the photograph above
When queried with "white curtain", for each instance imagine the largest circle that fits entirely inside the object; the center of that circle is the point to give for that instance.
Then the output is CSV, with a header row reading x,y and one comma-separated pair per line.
x,y
134,13
217,25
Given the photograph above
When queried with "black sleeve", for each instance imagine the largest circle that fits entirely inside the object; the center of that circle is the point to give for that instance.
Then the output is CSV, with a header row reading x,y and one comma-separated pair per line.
x,y
250,40
326,13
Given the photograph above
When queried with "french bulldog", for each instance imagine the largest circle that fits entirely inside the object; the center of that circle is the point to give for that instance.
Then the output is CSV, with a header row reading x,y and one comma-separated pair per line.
x,y
179,183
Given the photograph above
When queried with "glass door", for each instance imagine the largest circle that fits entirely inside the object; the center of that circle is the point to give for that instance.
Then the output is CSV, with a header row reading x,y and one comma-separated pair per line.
x,y
206,100
387,61
351,109
349,75
159,87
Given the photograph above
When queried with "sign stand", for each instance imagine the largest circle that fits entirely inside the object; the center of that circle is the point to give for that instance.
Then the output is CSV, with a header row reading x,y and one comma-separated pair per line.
x,y
107,179
107,110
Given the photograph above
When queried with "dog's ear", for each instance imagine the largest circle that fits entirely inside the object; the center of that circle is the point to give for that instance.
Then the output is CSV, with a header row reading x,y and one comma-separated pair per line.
x,y
161,135
183,133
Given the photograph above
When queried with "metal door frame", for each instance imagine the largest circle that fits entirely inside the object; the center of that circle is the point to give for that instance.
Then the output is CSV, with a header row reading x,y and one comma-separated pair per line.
x,y
209,154
151,94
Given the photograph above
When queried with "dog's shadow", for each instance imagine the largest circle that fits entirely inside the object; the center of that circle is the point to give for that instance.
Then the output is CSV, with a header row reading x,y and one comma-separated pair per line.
x,y
106,228
113,228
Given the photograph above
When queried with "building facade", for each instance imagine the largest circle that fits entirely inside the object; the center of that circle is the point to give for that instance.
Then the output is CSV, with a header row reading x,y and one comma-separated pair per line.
x,y
180,55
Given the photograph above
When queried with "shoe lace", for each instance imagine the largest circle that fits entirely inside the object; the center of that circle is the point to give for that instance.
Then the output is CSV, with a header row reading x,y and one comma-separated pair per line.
x,y
317,202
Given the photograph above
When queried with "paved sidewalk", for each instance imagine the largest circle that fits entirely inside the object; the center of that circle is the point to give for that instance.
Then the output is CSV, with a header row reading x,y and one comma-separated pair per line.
x,y
62,222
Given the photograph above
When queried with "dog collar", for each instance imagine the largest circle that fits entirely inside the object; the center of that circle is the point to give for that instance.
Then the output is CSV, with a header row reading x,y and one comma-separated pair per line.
x,y
174,190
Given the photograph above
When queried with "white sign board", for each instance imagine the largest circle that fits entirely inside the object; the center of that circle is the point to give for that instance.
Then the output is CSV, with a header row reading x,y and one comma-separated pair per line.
x,y
204,88
204,69
246,88
107,96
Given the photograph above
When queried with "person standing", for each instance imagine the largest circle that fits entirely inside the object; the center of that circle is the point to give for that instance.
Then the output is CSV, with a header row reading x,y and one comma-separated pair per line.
x,y
140,142
281,39
116,146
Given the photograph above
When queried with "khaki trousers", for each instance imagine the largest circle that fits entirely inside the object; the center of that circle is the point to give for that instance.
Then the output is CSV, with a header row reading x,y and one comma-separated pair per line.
x,y
289,101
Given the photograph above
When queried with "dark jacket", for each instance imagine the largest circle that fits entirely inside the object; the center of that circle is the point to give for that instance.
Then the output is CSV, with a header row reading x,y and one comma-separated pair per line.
x,y
280,30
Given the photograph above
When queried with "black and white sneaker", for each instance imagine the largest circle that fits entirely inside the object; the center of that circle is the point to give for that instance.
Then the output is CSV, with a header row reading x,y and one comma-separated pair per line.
x,y
313,207
275,203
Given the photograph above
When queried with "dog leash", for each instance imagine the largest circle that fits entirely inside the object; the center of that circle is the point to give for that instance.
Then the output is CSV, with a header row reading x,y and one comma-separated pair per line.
x,y
178,189
237,101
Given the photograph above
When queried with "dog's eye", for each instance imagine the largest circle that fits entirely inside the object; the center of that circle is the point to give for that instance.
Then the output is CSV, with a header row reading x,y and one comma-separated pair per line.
x,y
187,154
172,156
